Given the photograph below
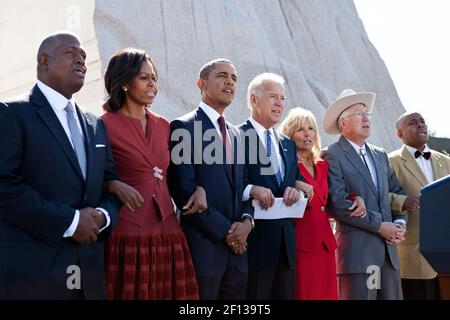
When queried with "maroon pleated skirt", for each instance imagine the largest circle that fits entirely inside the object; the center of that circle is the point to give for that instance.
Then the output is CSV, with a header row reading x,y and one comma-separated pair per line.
x,y
153,267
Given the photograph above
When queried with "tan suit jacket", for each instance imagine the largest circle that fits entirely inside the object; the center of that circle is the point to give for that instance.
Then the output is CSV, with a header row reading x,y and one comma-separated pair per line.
x,y
412,264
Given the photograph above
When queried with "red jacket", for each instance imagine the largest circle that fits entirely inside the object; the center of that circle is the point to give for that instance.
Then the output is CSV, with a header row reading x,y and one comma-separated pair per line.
x,y
314,229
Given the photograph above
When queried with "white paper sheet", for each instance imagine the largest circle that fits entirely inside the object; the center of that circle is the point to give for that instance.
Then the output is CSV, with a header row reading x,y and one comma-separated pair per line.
x,y
279,210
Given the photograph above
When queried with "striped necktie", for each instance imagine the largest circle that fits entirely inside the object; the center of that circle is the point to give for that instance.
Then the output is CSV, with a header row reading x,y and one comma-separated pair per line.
x,y
273,158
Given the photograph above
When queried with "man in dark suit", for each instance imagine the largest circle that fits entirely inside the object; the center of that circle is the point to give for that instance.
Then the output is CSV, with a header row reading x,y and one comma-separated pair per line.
x,y
54,160
271,246
217,236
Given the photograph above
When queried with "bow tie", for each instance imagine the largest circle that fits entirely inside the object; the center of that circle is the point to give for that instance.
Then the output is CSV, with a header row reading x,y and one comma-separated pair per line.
x,y
426,155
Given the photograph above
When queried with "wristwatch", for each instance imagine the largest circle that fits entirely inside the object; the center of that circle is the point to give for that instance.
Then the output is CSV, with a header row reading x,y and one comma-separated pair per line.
x,y
249,217
401,223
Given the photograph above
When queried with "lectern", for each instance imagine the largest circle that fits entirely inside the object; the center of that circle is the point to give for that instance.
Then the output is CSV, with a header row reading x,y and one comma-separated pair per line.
x,y
435,230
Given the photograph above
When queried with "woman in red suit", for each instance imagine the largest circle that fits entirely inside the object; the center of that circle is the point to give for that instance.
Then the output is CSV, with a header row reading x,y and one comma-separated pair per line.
x,y
315,260
147,256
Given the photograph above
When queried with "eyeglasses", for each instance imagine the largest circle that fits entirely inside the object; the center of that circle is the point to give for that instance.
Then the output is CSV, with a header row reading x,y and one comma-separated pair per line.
x,y
362,114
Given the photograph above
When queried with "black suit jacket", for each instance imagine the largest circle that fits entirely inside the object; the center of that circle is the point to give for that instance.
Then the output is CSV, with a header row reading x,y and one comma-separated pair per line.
x,y
41,186
205,232
269,236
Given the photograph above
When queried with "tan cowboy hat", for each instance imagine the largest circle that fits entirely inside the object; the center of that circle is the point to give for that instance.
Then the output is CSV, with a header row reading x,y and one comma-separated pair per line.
x,y
346,99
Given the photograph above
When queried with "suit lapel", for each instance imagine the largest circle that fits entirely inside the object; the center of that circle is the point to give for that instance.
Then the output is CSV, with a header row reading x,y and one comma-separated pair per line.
x,y
234,138
235,145
88,133
256,148
355,160
315,182
375,157
283,152
207,124
437,167
411,165
261,152
50,119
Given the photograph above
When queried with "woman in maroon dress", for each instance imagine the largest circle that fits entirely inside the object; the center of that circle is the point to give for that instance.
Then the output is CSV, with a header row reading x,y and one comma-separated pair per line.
x,y
147,256
315,260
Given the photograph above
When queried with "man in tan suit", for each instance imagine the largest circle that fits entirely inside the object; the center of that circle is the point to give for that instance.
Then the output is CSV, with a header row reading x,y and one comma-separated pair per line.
x,y
415,166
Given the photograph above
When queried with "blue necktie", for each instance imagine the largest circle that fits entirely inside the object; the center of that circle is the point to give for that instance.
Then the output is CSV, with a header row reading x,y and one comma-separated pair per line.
x,y
273,158
77,138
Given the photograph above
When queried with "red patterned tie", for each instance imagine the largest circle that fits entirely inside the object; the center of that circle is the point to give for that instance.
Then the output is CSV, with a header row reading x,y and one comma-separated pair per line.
x,y
223,132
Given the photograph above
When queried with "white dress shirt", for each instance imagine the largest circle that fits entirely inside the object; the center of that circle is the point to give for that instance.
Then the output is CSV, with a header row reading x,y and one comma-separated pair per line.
x,y
213,115
261,131
373,171
58,103
424,164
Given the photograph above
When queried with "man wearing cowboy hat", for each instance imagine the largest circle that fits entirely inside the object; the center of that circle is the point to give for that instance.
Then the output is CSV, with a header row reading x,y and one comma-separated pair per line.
x,y
415,165
367,260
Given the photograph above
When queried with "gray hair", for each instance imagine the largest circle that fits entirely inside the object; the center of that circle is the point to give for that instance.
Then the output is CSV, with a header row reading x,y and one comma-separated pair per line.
x,y
255,86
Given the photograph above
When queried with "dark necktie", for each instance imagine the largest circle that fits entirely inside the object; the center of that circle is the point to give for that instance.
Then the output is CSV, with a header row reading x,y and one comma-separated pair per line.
x,y
363,154
226,145
426,155
76,137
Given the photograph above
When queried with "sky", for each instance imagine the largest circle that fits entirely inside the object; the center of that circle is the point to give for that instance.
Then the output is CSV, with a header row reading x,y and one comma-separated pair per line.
x,y
412,37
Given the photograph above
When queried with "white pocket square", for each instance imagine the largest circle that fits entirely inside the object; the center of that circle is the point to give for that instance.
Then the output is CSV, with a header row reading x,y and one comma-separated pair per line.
x,y
99,145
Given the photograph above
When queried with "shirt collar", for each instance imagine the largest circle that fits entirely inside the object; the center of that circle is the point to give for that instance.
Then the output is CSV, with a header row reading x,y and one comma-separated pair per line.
x,y
260,130
212,114
57,101
357,148
413,150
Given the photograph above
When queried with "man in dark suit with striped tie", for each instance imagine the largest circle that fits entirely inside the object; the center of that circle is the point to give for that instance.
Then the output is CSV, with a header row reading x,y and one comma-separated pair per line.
x,y
271,245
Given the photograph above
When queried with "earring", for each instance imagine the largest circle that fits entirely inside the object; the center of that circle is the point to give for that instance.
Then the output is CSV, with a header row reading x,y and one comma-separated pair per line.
x,y
125,89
